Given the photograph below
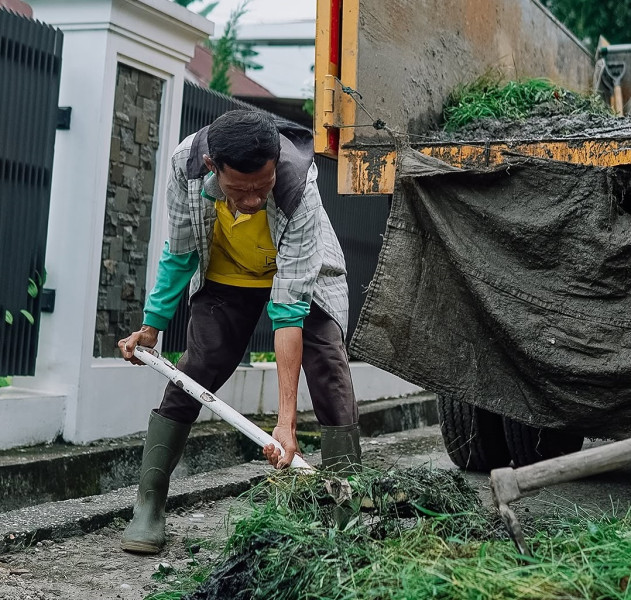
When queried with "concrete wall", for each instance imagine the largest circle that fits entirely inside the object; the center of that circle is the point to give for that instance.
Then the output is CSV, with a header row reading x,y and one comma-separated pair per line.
x,y
412,53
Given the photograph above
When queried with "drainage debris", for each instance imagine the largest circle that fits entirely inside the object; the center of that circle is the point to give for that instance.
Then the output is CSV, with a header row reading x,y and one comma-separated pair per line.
x,y
490,109
289,547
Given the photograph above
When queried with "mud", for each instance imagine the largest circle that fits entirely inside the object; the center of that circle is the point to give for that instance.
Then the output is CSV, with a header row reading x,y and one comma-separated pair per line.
x,y
542,126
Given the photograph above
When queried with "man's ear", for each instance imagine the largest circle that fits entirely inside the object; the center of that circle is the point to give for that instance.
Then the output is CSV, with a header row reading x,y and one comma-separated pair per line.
x,y
210,165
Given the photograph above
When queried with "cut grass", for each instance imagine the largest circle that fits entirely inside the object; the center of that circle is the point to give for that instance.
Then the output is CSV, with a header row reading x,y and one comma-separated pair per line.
x,y
438,542
490,97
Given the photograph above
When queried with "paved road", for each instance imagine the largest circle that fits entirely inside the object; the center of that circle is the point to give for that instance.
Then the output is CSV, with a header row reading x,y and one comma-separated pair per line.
x,y
608,493
93,566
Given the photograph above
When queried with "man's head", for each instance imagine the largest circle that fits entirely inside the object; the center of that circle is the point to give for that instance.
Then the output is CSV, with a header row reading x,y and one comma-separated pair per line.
x,y
244,147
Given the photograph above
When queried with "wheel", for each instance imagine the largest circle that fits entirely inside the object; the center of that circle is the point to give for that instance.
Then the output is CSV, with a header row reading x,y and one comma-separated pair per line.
x,y
527,444
473,436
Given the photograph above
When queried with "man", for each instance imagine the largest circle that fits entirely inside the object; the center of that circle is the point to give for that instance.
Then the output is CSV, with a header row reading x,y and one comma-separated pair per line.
x,y
247,229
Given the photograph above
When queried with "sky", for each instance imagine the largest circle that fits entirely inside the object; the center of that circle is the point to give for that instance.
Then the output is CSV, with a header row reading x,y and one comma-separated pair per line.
x,y
286,71
262,11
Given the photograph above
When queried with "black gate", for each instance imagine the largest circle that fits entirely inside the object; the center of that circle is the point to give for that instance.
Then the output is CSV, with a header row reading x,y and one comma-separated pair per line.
x,y
359,223
30,65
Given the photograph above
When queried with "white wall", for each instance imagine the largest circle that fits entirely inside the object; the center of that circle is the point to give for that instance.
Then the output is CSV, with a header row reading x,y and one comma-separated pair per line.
x,y
103,397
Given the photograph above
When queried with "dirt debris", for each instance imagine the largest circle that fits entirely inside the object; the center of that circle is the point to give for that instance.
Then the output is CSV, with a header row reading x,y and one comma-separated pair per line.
x,y
539,127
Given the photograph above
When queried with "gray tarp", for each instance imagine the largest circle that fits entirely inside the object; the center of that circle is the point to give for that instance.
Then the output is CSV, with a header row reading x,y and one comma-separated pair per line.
x,y
508,288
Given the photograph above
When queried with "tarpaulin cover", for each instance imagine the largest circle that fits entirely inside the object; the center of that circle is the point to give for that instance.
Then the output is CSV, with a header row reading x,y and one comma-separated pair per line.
x,y
508,288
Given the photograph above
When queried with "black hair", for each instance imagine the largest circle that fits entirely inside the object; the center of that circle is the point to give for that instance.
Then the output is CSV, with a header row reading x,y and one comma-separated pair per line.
x,y
245,140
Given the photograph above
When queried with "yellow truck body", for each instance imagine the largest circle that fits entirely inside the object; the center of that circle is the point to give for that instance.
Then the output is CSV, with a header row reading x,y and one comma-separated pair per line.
x,y
396,62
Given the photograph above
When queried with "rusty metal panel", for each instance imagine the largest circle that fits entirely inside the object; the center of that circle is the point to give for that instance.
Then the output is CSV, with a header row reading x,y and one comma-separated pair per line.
x,y
410,54
371,169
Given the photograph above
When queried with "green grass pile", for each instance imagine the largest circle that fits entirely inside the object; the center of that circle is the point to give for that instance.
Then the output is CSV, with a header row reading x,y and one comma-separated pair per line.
x,y
490,97
427,536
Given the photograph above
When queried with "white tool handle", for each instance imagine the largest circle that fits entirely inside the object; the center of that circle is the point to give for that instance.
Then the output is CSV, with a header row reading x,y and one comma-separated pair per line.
x,y
152,358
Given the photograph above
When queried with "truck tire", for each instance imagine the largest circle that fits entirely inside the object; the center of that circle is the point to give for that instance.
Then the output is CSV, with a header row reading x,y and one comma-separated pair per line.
x,y
473,436
528,444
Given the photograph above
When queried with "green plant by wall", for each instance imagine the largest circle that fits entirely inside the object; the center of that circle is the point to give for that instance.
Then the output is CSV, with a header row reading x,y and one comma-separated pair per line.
x,y
34,286
262,357
32,290
228,50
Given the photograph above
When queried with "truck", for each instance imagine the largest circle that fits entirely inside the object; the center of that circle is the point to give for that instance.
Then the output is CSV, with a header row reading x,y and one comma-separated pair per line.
x,y
525,381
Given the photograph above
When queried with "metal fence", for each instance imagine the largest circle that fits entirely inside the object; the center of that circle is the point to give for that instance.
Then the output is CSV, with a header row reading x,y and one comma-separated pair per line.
x,y
359,223
30,64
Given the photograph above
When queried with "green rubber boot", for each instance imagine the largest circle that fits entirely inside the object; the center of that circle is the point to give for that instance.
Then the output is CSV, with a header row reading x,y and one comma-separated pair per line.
x,y
341,454
163,449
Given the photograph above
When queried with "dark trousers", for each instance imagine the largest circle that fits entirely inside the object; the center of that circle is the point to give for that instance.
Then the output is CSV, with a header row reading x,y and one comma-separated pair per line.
x,y
222,321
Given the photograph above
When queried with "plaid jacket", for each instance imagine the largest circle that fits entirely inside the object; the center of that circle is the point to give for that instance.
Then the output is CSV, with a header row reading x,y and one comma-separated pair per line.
x,y
310,263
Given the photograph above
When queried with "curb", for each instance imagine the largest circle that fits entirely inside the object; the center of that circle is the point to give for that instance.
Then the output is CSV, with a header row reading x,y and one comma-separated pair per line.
x,y
56,472
57,520
24,527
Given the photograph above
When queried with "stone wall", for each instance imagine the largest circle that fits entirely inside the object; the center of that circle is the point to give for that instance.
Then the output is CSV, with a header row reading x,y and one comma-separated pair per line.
x,y
127,227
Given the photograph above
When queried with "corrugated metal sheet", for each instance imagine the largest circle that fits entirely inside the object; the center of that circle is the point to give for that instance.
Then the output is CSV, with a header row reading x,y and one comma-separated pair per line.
x,y
30,64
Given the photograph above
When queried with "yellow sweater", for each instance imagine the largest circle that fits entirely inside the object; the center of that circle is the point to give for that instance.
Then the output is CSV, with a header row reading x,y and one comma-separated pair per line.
x,y
242,253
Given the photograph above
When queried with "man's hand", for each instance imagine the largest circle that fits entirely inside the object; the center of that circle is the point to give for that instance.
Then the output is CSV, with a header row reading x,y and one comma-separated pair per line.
x,y
287,437
147,336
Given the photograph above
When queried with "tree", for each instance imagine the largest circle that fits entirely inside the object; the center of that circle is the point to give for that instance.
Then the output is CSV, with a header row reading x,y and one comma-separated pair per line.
x,y
228,52
589,19
204,11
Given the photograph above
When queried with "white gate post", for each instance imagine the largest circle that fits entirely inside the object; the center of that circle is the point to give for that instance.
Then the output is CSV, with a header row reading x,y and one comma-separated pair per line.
x,y
100,397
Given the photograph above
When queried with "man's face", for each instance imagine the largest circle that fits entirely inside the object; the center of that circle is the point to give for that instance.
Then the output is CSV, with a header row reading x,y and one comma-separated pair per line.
x,y
245,192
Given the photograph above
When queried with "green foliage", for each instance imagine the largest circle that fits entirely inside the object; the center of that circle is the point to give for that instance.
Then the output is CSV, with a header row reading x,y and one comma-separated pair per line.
x,y
308,106
589,19
28,316
228,51
426,537
262,357
490,97
204,11
163,571
33,288
172,357
308,89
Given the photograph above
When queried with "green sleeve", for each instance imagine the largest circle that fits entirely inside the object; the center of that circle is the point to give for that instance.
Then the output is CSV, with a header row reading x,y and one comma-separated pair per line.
x,y
174,274
287,315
